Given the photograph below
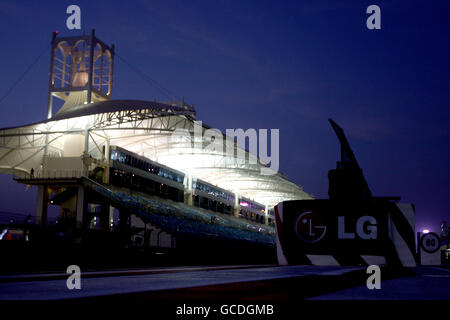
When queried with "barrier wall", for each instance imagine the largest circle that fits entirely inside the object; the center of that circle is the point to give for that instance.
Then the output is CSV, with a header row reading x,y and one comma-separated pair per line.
x,y
326,232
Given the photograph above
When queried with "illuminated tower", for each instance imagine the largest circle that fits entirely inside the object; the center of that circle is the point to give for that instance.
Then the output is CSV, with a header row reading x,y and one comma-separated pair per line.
x,y
81,71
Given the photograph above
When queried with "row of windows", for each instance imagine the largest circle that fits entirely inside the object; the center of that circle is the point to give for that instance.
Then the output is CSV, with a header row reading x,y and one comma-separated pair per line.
x,y
131,161
212,191
251,216
145,185
250,204
211,204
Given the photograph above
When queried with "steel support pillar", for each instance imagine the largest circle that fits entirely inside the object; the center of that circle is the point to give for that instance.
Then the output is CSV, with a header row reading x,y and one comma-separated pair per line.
x,y
237,206
81,206
42,205
104,217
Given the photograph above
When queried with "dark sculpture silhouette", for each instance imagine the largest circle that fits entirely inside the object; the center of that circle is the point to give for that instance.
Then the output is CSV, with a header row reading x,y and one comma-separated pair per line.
x,y
347,181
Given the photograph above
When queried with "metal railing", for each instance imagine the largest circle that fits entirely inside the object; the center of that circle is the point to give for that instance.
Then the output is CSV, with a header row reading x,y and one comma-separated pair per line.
x,y
51,174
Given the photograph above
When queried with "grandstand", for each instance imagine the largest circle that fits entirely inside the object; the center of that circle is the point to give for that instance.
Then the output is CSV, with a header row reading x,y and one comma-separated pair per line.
x,y
69,157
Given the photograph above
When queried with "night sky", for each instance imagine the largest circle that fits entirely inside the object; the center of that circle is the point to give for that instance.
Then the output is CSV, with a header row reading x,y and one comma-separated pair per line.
x,y
268,64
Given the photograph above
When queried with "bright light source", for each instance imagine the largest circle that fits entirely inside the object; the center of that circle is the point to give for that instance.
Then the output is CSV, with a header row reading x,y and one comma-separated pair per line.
x,y
426,231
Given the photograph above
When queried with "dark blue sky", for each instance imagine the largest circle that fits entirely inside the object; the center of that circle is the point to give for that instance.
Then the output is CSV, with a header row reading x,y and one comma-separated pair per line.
x,y
270,64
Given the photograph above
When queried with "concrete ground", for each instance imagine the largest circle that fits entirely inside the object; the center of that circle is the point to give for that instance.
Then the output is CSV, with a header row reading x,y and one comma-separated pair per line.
x,y
280,283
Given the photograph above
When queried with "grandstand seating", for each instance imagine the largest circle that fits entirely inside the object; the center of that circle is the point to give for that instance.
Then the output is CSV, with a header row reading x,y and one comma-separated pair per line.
x,y
180,219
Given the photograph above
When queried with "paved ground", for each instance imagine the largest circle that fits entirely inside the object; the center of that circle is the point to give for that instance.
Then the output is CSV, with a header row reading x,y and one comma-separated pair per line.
x,y
41,289
431,283
233,282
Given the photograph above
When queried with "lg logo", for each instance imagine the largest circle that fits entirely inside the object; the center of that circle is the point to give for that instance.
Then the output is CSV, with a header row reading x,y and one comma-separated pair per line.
x,y
366,228
310,227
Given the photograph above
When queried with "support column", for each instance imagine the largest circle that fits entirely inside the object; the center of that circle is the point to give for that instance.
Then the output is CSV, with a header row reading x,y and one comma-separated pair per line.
x,y
104,216
124,227
189,191
158,242
124,220
42,205
108,160
237,206
51,75
46,144
111,217
81,205
85,157
148,237
91,65
86,140
266,215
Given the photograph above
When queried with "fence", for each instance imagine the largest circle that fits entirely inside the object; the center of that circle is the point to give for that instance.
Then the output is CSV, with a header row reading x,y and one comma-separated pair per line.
x,y
51,174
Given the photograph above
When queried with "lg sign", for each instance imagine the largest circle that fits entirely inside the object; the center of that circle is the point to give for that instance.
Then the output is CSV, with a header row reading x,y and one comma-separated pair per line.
x,y
310,227
366,228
